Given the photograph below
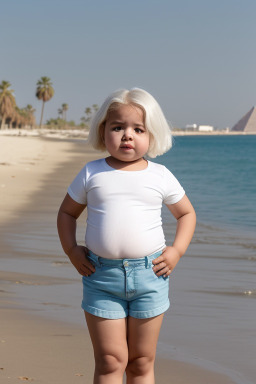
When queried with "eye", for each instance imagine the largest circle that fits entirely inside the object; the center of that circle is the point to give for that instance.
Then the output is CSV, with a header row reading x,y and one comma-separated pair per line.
x,y
117,129
139,130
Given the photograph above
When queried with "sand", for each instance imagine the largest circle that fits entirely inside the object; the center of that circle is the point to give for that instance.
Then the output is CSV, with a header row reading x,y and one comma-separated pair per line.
x,y
24,161
34,172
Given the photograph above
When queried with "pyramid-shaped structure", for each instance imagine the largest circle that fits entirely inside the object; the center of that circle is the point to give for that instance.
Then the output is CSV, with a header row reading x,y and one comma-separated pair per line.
x,y
247,123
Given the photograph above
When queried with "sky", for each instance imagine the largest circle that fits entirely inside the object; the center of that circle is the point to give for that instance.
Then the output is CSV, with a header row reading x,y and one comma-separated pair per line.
x,y
197,57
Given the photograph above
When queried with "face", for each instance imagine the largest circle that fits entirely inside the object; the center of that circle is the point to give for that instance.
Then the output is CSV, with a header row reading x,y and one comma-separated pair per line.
x,y
126,137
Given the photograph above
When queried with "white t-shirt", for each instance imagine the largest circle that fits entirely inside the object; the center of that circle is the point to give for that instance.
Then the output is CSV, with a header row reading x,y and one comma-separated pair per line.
x,y
124,208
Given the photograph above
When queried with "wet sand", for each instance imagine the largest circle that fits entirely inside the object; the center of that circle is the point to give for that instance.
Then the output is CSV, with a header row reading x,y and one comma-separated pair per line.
x,y
43,336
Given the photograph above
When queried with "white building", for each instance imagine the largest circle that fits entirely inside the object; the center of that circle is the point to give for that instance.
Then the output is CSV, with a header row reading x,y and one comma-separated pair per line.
x,y
191,127
205,128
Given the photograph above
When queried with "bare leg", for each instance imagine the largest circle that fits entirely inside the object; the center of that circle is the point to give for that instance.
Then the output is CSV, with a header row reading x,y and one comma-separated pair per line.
x,y
142,341
110,348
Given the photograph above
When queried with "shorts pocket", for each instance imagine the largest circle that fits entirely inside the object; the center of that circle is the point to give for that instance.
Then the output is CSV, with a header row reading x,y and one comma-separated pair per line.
x,y
159,277
92,261
154,275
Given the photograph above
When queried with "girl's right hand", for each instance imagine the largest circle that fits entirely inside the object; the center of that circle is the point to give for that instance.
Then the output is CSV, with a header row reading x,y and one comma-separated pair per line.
x,y
78,257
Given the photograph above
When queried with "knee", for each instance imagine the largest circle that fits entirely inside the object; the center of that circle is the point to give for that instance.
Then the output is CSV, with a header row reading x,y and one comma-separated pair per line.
x,y
140,366
107,364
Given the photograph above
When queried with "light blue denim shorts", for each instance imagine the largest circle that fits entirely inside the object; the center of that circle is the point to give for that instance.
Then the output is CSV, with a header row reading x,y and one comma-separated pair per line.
x,y
125,287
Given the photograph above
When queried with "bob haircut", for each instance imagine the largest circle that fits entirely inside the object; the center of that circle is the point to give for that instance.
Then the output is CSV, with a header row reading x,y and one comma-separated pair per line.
x,y
155,122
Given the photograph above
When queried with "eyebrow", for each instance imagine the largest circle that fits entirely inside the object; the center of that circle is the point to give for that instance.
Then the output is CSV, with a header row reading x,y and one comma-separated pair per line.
x,y
121,123
116,122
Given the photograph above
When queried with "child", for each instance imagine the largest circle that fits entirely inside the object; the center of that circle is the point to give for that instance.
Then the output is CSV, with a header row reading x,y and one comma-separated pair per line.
x,y
126,264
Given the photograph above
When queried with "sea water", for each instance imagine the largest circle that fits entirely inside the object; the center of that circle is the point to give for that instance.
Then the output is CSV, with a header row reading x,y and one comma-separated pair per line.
x,y
219,176
212,320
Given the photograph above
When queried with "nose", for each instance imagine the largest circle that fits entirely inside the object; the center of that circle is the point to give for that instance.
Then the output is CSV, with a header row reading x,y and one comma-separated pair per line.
x,y
127,134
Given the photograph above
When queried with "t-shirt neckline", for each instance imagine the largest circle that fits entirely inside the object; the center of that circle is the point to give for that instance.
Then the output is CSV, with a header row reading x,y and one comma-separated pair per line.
x,y
122,171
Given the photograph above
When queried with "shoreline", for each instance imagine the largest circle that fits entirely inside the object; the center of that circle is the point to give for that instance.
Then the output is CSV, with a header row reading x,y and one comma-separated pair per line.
x,y
214,133
83,134
36,346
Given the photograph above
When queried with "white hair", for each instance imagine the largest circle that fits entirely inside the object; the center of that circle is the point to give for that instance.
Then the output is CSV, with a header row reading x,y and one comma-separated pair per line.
x,y
154,120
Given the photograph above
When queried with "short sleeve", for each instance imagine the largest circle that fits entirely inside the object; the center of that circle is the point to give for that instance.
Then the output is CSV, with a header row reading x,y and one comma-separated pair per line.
x,y
173,190
77,189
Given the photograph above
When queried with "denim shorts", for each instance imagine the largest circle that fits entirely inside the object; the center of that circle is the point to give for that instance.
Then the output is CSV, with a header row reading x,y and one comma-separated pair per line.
x,y
125,287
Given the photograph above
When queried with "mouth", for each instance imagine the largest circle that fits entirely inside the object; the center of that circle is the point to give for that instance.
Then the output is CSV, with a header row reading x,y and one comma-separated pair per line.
x,y
126,146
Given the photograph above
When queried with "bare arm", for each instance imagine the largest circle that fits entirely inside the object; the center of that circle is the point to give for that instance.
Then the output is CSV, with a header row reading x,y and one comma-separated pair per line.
x,y
185,215
66,222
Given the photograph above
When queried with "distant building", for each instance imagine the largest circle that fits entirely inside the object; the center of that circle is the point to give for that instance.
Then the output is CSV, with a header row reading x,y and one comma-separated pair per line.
x,y
205,128
191,127
247,123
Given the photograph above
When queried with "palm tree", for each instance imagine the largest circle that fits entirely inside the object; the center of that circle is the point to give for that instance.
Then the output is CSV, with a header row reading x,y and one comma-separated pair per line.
x,y
64,109
88,112
60,113
21,116
30,118
17,117
44,92
95,107
7,101
12,118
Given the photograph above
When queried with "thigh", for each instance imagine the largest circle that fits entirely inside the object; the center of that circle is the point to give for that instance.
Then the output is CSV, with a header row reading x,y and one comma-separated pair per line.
x,y
142,336
108,336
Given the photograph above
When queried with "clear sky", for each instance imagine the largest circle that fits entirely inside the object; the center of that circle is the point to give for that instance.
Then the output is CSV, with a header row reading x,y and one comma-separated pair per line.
x,y
197,57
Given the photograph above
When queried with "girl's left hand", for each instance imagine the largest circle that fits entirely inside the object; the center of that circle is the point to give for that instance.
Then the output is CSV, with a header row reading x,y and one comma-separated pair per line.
x,y
166,262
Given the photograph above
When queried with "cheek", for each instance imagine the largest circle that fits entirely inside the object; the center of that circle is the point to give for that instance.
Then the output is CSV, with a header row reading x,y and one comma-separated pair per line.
x,y
146,143
110,140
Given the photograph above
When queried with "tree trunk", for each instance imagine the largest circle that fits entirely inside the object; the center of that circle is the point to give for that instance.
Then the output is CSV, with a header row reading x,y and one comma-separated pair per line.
x,y
3,122
42,114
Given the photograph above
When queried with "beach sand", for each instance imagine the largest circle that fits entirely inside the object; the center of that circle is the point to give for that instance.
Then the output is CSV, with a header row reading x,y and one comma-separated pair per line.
x,y
35,345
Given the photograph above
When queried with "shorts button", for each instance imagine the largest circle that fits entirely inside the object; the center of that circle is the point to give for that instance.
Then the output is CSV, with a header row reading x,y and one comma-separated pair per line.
x,y
126,263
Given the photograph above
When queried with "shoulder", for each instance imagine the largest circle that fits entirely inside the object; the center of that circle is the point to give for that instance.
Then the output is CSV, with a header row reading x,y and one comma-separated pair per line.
x,y
88,170
95,164
158,168
166,176
93,167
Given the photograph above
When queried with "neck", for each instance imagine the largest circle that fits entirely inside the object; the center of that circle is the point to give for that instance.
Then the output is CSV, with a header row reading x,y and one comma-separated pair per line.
x,y
136,165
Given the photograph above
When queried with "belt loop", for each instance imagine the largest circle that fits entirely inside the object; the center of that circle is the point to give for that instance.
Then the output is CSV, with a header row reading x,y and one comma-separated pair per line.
x,y
98,261
95,258
147,262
